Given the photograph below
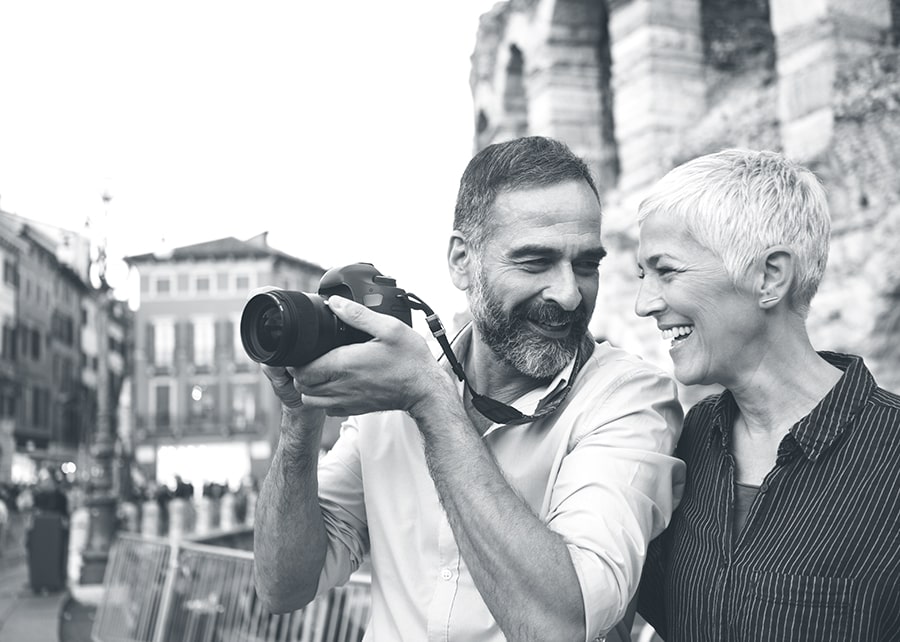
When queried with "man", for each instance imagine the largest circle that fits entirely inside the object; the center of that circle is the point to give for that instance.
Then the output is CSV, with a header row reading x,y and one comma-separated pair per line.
x,y
533,528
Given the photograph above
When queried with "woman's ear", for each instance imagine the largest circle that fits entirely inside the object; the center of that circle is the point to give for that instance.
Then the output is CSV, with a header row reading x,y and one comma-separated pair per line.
x,y
776,276
459,261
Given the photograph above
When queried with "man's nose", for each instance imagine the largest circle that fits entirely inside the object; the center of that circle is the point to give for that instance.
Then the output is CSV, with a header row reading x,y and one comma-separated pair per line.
x,y
564,290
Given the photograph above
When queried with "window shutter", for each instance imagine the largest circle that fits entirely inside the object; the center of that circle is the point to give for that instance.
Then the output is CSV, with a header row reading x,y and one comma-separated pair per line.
x,y
150,344
189,340
228,338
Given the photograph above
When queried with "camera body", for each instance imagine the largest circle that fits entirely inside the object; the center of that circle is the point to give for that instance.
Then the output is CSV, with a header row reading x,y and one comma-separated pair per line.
x,y
290,328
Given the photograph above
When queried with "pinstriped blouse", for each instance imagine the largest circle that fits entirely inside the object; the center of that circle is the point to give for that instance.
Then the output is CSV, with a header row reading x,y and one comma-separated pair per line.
x,y
819,556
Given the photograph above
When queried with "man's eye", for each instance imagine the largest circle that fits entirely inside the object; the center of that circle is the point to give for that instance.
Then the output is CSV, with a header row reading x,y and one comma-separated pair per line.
x,y
587,267
536,264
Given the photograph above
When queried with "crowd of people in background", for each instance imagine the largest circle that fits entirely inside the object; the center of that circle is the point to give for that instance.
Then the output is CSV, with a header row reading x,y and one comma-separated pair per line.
x,y
53,491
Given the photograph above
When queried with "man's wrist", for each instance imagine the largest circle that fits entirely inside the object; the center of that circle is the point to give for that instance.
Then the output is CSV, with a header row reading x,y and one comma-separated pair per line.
x,y
301,431
438,394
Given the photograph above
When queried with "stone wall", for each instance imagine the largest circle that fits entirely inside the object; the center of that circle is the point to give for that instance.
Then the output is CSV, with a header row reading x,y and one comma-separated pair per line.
x,y
638,86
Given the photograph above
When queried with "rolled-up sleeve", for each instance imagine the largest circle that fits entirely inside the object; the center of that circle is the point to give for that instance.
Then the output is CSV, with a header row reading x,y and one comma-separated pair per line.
x,y
617,486
342,501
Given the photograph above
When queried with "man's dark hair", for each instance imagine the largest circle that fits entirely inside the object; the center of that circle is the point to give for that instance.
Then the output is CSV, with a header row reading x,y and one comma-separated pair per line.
x,y
532,161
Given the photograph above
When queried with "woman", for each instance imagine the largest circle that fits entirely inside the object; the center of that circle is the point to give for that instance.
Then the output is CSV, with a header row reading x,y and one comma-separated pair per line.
x,y
789,528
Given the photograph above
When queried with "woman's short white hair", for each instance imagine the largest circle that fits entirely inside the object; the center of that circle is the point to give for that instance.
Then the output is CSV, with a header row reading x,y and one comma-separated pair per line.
x,y
739,202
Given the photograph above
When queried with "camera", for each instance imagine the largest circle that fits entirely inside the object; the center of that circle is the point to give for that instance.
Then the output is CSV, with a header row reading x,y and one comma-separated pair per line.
x,y
289,328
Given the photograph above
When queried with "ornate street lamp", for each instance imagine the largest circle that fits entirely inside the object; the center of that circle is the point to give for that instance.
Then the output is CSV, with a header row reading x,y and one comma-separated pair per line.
x,y
101,500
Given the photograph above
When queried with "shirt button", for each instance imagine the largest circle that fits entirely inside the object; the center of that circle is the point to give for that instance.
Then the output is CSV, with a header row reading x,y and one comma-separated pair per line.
x,y
446,574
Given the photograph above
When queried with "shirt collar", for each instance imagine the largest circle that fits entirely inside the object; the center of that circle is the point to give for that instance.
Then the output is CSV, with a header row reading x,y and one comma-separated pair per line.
x,y
817,431
533,400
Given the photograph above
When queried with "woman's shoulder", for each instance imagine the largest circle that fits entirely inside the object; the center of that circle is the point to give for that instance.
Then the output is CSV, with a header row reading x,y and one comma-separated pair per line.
x,y
700,418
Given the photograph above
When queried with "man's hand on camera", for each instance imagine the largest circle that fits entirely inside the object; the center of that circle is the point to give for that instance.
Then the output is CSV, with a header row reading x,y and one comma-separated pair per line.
x,y
298,418
393,371
283,385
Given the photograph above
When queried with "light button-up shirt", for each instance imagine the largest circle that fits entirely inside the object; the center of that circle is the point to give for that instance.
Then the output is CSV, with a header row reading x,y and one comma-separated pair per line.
x,y
598,471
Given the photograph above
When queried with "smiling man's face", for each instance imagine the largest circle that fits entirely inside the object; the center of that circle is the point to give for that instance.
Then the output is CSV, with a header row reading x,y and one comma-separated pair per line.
x,y
536,277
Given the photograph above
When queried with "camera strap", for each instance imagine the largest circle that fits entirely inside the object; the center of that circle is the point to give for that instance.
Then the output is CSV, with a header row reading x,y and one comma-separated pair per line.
x,y
497,411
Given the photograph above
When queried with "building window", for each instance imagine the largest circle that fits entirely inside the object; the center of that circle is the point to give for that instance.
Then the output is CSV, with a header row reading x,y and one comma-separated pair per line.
x,y
240,355
243,405
10,273
36,345
204,341
202,404
163,285
203,284
8,398
38,400
242,283
8,347
162,408
184,283
222,282
163,343
145,284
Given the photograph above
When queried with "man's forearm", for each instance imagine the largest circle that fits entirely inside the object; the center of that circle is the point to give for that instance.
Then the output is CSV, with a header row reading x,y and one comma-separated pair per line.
x,y
522,569
289,539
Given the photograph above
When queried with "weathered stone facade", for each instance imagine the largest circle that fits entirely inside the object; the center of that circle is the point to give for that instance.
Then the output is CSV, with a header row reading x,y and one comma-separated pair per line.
x,y
638,86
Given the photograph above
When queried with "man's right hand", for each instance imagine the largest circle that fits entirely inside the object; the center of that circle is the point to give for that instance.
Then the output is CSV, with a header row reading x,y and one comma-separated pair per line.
x,y
299,423
283,385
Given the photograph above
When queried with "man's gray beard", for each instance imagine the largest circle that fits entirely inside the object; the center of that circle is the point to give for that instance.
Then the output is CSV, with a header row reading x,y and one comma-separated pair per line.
x,y
514,342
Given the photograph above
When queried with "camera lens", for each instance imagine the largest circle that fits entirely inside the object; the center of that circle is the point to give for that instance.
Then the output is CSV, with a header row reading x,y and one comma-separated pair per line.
x,y
287,328
270,327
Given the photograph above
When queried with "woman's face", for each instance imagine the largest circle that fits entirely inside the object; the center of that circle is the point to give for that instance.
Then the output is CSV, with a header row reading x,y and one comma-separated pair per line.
x,y
684,286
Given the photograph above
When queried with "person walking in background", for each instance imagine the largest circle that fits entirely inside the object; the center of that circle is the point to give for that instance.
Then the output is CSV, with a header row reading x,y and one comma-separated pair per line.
x,y
49,495
532,525
789,528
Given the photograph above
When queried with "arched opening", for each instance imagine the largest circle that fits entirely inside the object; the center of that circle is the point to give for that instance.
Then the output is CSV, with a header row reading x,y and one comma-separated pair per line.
x,y
895,21
481,123
737,35
515,101
609,154
482,131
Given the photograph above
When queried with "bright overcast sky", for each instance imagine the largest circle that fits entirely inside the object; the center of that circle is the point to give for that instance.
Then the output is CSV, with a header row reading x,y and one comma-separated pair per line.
x,y
341,128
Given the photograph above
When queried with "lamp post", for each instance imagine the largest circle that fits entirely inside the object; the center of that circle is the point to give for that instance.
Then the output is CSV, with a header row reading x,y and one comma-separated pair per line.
x,y
101,500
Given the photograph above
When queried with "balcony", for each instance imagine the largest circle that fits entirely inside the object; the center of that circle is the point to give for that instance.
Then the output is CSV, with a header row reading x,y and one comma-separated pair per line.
x,y
187,426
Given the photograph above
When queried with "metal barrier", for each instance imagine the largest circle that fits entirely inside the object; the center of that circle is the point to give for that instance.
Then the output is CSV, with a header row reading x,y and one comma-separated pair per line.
x,y
156,590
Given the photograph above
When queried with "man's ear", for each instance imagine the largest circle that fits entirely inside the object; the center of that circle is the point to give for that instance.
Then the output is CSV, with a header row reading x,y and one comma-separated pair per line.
x,y
459,261
775,275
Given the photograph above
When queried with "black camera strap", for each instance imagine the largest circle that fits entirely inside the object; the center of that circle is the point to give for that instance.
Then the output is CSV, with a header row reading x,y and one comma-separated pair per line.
x,y
497,411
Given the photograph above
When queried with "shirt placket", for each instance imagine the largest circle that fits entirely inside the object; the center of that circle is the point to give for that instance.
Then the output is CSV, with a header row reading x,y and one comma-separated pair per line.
x,y
730,545
446,584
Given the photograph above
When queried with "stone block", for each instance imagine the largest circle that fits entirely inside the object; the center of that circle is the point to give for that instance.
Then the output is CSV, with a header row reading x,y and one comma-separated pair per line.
x,y
683,15
807,137
806,90
786,15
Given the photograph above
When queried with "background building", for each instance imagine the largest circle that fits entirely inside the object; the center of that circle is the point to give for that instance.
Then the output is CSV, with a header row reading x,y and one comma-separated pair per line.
x,y
11,249
638,86
48,356
202,408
